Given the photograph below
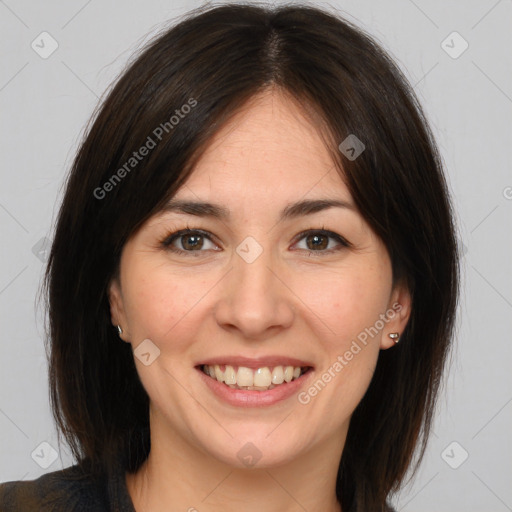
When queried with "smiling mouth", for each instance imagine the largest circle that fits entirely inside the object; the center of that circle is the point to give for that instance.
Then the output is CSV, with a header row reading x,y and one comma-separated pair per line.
x,y
258,379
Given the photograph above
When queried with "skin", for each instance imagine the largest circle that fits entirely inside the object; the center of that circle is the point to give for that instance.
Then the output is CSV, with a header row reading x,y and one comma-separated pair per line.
x,y
294,299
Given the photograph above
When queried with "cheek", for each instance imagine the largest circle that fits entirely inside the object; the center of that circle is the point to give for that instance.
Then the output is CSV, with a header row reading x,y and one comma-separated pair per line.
x,y
345,308
160,303
347,301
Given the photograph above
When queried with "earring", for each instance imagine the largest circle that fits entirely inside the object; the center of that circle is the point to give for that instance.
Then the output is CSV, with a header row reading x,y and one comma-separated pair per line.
x,y
395,336
119,330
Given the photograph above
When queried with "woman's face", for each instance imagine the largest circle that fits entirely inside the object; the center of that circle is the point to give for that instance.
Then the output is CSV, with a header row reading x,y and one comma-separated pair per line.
x,y
257,284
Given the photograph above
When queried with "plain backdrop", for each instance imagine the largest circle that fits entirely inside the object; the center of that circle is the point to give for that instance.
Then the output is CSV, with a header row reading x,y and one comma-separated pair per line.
x,y
467,94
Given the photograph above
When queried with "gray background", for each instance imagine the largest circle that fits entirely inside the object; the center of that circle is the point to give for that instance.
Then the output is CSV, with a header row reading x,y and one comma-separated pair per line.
x,y
45,104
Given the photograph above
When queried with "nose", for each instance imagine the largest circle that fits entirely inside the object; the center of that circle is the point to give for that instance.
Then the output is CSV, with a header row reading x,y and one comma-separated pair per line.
x,y
255,299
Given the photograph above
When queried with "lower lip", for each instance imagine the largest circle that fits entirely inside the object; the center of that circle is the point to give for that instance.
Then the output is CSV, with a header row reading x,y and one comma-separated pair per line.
x,y
251,398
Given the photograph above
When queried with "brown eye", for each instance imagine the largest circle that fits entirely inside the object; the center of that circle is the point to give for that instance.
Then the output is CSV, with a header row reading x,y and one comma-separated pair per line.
x,y
191,242
188,241
321,241
316,242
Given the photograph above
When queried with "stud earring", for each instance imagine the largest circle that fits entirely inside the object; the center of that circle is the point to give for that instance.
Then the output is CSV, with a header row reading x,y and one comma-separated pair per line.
x,y
119,330
395,336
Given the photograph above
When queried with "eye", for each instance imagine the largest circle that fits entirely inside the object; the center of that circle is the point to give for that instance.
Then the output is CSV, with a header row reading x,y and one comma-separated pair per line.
x,y
188,240
319,241
322,241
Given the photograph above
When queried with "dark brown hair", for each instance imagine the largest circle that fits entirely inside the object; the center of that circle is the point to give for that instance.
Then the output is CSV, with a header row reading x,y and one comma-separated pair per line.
x,y
215,60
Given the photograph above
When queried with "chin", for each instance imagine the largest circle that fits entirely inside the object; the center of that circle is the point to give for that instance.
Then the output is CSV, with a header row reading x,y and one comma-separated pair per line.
x,y
257,451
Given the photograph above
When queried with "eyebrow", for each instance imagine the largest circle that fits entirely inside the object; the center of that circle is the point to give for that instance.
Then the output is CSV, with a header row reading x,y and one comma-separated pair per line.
x,y
294,210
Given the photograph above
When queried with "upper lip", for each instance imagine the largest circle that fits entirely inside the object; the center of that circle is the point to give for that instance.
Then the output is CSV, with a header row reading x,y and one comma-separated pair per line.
x,y
255,362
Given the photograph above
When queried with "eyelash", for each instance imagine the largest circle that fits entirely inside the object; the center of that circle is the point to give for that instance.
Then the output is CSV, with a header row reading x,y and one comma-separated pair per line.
x,y
170,238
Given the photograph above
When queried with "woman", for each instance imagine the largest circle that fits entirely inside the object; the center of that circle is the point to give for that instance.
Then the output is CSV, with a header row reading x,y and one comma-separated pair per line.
x,y
253,279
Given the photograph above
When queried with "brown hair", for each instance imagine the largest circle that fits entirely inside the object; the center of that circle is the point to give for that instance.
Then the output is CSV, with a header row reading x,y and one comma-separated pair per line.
x,y
215,60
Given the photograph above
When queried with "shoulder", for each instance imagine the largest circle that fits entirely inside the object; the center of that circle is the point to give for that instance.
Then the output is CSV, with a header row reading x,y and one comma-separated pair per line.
x,y
71,489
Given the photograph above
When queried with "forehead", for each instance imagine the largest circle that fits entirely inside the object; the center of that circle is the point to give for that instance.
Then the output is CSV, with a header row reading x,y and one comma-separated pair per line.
x,y
269,150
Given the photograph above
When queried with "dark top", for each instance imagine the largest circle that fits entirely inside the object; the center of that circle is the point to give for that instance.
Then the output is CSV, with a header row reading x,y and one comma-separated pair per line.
x,y
69,490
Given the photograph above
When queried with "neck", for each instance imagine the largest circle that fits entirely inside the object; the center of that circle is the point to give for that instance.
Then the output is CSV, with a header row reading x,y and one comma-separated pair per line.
x,y
178,476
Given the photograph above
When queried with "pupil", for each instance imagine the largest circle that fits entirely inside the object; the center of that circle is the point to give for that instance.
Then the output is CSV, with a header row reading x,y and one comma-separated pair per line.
x,y
192,242
317,241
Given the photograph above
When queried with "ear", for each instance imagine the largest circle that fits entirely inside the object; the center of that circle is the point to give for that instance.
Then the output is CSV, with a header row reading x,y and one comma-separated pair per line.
x,y
398,313
117,314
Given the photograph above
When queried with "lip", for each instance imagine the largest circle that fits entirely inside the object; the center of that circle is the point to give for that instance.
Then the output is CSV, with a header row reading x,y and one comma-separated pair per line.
x,y
255,362
253,398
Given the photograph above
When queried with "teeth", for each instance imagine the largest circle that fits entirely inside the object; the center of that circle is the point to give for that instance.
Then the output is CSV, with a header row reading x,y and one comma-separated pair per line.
x,y
278,375
219,375
244,377
229,375
261,379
